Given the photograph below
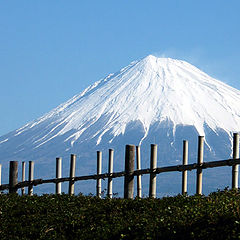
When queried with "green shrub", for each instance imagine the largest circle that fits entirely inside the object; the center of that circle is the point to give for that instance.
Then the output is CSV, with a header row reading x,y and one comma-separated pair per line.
x,y
85,217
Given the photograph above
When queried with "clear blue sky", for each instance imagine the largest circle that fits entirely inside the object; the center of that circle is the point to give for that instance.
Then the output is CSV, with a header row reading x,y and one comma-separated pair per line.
x,y
51,50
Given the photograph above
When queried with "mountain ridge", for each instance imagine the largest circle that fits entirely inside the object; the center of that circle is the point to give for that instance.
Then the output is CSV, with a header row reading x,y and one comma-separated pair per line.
x,y
159,100
179,109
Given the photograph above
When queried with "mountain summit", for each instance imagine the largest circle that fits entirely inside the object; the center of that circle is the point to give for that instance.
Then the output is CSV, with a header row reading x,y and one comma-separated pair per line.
x,y
153,99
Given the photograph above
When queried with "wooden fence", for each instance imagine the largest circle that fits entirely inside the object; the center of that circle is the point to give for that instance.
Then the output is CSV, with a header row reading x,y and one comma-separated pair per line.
x,y
129,173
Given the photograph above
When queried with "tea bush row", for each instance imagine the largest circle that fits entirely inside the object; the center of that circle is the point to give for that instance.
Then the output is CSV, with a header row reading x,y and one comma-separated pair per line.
x,y
84,217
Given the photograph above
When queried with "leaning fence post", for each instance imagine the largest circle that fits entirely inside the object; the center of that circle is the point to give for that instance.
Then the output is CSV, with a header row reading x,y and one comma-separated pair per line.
x,y
30,177
99,171
23,176
58,175
129,169
185,162
110,171
235,156
13,176
72,174
153,165
139,177
199,162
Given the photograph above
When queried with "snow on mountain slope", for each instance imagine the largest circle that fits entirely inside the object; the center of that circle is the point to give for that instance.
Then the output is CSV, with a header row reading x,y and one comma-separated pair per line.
x,y
148,98
150,90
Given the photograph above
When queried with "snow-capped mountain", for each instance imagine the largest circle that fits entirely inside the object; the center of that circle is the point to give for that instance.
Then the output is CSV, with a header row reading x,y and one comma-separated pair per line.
x,y
153,100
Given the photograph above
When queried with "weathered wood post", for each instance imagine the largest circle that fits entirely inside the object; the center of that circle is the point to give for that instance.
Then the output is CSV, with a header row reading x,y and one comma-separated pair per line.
x,y
58,189
30,177
139,177
199,162
13,176
185,162
110,171
23,176
153,166
235,156
99,171
72,174
129,169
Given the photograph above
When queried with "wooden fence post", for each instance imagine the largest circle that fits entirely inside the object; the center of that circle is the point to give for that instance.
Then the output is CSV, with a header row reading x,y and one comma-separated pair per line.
x,y
72,174
58,189
110,171
23,176
235,156
129,169
13,176
99,171
185,162
30,177
153,165
139,177
199,162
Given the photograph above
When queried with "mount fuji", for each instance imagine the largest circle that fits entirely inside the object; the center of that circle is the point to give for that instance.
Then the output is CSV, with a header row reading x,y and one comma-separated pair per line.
x,y
153,100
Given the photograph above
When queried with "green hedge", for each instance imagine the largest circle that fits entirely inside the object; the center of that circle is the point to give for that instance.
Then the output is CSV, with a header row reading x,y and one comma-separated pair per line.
x,y
84,217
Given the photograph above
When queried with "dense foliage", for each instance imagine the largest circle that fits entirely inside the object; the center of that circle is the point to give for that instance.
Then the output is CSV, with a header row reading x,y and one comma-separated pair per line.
x,y
84,217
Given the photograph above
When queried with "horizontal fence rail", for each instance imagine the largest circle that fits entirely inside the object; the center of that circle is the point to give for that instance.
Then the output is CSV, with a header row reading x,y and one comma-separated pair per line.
x,y
174,168
129,173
